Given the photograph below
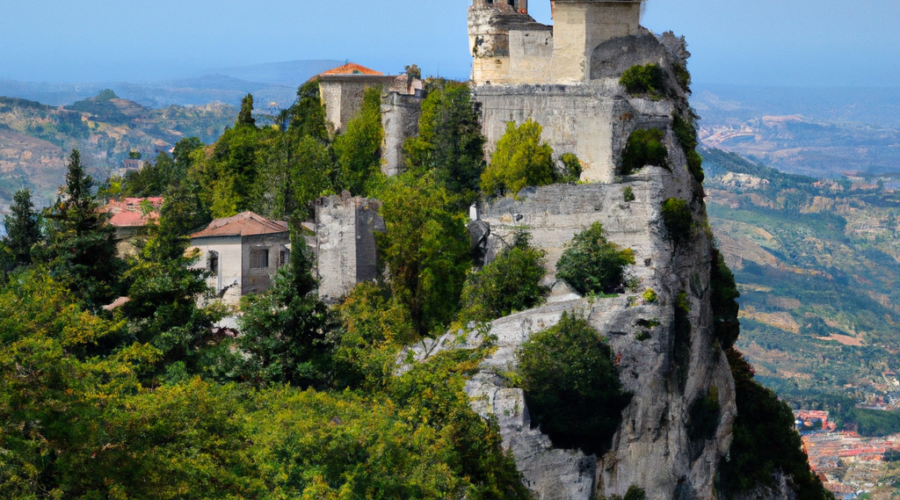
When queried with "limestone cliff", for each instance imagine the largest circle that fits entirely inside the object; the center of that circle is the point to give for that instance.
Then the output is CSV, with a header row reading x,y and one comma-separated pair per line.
x,y
667,370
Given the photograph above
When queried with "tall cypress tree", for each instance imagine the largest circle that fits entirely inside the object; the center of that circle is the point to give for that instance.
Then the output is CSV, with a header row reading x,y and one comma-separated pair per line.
x,y
245,117
80,249
22,227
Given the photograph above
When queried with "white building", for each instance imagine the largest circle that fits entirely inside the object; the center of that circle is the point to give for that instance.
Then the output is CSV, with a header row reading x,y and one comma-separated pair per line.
x,y
242,253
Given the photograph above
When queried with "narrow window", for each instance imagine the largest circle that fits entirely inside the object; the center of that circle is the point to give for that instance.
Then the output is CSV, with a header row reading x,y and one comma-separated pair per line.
x,y
212,262
285,256
259,259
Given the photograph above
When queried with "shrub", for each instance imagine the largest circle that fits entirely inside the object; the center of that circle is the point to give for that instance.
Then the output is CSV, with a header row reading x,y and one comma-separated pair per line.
x,y
683,76
650,296
521,160
572,385
723,298
593,265
628,194
678,219
704,416
510,283
647,79
571,171
644,147
686,132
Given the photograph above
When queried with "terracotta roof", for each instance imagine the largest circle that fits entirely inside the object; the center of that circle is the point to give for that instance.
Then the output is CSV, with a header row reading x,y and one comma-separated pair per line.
x,y
351,69
127,213
132,219
243,224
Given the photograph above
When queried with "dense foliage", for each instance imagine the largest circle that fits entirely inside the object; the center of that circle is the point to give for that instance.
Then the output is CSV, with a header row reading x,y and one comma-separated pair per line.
x,y
723,299
644,147
509,283
647,79
520,160
686,132
572,385
593,265
283,330
358,148
449,144
765,441
678,219
426,250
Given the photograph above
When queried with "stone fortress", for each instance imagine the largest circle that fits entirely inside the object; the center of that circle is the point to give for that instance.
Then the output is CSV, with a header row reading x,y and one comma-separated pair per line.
x,y
566,78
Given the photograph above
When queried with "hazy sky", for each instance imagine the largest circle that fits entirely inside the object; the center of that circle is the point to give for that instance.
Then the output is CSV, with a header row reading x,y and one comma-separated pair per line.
x,y
760,42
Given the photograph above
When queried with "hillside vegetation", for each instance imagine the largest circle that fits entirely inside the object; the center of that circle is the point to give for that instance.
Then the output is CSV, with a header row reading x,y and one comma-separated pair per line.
x,y
817,266
36,138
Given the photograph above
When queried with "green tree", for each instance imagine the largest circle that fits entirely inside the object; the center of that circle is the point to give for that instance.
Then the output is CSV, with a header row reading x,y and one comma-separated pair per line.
x,y
449,143
284,330
571,171
572,385
358,148
245,116
510,283
520,160
79,248
23,229
163,292
307,114
593,265
426,250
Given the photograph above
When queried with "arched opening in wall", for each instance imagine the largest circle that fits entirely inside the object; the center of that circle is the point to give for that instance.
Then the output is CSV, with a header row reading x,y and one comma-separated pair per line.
x,y
212,262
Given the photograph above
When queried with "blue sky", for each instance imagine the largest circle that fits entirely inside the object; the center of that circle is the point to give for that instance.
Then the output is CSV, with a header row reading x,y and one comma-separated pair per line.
x,y
756,42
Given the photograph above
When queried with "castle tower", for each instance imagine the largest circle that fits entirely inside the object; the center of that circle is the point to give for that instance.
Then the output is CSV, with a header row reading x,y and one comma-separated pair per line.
x,y
520,6
579,26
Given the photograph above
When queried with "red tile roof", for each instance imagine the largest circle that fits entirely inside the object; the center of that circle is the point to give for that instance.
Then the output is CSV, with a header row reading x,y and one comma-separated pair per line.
x,y
351,69
127,213
243,224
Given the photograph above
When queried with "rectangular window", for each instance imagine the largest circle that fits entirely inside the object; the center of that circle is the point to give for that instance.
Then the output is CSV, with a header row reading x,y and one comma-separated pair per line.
x,y
213,264
285,257
259,259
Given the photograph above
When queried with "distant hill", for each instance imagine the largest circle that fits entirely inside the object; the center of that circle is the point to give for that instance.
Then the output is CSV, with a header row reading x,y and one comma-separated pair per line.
x,y
817,264
35,139
269,83
817,132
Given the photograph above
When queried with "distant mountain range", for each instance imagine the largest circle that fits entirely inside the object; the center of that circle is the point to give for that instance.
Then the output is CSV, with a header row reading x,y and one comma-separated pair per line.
x,y
820,132
273,85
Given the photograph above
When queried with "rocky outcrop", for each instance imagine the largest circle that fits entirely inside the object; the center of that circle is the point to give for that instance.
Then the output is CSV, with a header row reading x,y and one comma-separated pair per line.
x,y
664,373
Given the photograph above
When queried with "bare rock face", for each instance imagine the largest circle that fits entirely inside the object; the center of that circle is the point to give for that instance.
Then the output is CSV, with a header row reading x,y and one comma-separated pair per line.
x,y
664,373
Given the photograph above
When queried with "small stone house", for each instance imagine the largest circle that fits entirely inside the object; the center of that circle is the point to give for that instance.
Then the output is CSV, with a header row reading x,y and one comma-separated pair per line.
x,y
242,253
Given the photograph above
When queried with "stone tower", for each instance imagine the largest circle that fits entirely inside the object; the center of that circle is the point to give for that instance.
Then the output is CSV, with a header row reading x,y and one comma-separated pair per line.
x,y
510,47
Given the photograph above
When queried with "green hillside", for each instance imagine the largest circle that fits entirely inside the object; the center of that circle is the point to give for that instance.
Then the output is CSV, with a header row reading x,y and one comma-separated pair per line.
x,y
36,138
817,265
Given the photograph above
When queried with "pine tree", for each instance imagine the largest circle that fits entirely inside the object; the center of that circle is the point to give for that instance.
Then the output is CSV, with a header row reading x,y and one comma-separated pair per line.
x,y
80,250
22,227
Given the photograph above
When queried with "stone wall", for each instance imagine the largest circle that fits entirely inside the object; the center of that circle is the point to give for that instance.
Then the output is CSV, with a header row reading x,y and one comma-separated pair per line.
x,y
345,243
400,118
343,96
591,121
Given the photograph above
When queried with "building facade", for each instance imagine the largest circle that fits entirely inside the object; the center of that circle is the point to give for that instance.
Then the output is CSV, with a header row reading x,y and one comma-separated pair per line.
x,y
242,253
